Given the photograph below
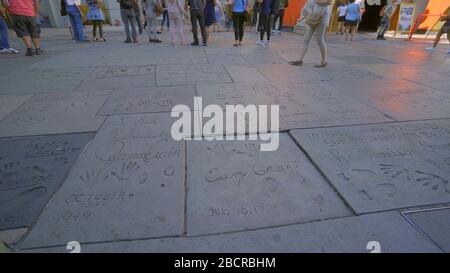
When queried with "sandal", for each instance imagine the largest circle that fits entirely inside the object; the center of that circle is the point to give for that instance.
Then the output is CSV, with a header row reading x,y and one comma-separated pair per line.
x,y
322,64
298,63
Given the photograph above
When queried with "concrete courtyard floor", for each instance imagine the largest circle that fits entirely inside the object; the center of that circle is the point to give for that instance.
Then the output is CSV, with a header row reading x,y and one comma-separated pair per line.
x,y
86,153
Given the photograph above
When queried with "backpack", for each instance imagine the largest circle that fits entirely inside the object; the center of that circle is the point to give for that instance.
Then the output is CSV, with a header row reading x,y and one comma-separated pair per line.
x,y
63,9
127,3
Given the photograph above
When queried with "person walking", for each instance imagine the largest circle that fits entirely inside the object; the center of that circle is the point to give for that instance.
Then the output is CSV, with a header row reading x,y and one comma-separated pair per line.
x,y
218,12
317,14
209,16
228,14
176,14
196,8
74,11
151,17
352,18
444,29
265,20
23,18
95,15
166,17
239,13
279,16
342,9
137,14
128,18
386,14
4,39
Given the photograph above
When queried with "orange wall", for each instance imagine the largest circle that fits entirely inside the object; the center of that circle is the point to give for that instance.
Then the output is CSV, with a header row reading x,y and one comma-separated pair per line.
x,y
292,13
434,7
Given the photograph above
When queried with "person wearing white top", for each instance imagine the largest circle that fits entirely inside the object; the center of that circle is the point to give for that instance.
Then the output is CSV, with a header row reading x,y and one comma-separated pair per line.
x,y
342,9
175,9
74,12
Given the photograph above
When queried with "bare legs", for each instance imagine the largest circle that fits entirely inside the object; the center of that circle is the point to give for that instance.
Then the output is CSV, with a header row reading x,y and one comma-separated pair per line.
x,y
350,30
30,42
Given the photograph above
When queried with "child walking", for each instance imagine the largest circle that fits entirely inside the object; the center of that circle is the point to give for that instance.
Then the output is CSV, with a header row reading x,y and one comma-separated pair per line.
x,y
342,9
95,15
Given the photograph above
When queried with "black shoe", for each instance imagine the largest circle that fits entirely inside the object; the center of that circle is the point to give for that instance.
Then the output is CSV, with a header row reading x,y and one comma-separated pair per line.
x,y
135,41
38,51
297,63
382,38
29,52
157,41
194,44
128,41
205,44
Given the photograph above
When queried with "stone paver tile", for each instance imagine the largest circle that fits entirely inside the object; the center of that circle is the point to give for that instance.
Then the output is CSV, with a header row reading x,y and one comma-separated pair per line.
x,y
435,223
240,187
127,184
55,114
148,100
350,234
384,166
190,74
31,170
9,103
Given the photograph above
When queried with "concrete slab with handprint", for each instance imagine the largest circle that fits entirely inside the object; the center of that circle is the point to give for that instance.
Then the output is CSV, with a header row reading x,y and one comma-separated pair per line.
x,y
127,184
31,170
385,166
240,187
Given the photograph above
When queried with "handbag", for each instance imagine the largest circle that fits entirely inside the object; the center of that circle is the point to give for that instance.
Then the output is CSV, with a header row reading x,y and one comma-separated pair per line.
x,y
246,14
314,18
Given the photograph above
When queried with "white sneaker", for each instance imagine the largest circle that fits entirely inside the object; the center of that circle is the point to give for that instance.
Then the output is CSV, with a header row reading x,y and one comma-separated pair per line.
x,y
268,43
260,43
4,50
430,48
278,32
274,31
12,50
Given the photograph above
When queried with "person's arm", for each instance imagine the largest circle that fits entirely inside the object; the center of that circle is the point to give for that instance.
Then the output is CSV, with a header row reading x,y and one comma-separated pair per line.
x,y
5,4
37,6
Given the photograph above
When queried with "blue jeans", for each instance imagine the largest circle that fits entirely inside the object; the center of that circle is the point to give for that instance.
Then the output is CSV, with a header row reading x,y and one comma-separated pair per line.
x,y
384,26
165,17
76,22
3,34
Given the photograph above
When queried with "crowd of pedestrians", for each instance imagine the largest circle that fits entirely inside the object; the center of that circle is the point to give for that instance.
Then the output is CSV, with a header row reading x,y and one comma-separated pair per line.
x,y
205,15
